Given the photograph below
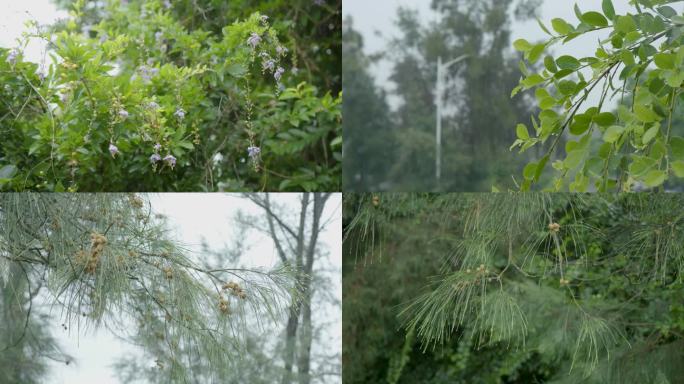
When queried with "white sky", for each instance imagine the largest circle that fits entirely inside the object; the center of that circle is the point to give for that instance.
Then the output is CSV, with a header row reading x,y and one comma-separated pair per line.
x,y
376,21
13,15
195,216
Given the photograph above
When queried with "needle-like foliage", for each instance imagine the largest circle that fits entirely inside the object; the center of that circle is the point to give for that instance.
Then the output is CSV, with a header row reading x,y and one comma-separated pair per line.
x,y
585,284
106,260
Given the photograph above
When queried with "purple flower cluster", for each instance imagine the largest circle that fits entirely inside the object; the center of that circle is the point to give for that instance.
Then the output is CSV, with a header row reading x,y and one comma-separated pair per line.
x,y
254,40
152,105
123,113
279,73
253,151
12,56
147,73
269,65
113,149
180,113
155,158
170,160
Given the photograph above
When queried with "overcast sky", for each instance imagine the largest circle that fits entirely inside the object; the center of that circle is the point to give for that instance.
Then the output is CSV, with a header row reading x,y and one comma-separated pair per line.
x,y
194,217
376,21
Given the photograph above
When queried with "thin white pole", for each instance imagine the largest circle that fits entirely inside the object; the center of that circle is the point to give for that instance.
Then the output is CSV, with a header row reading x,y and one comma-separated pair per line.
x,y
438,130
439,103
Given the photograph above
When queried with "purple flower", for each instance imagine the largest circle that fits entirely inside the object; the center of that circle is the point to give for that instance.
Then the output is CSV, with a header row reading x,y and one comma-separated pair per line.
x,y
279,73
152,105
264,18
180,113
123,113
157,147
170,160
113,149
167,4
269,64
12,56
155,158
253,151
281,50
159,35
254,39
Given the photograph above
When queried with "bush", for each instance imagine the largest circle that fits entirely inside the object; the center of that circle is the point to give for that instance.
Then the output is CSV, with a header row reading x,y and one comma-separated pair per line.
x,y
139,102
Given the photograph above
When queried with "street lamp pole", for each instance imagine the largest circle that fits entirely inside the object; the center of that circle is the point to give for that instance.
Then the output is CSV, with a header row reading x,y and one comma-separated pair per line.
x,y
439,103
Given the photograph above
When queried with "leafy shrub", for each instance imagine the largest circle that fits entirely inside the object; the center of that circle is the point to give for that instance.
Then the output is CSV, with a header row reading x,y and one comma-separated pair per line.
x,y
139,102
641,61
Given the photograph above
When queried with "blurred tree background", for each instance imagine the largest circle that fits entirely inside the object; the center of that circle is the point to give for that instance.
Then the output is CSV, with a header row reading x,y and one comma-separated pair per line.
x,y
482,288
395,149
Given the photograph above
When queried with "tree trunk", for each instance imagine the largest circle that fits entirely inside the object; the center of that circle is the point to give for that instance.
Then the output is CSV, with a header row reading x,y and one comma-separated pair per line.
x,y
305,337
290,341
304,360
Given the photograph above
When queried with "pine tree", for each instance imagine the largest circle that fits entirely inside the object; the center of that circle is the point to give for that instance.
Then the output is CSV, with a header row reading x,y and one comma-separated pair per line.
x,y
108,261
563,288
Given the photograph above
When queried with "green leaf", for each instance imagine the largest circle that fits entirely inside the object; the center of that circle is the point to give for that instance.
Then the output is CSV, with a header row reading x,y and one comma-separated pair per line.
x,y
641,165
604,119
579,127
567,62
667,11
567,87
236,70
521,132
535,53
608,9
8,171
550,64
522,45
561,26
677,147
625,24
529,171
678,168
532,80
644,113
651,133
613,133
664,60
594,19
655,178
574,158
543,27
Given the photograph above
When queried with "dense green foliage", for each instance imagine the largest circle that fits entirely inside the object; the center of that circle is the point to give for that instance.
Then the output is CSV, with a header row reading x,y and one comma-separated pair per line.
x,y
396,151
639,63
145,99
106,260
513,288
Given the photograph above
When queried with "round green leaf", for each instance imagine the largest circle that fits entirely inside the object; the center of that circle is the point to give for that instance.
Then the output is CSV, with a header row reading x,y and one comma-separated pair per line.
x,y
664,60
655,178
595,19
567,62
561,26
521,131
613,133
625,24
678,168
651,133
550,64
522,45
604,119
